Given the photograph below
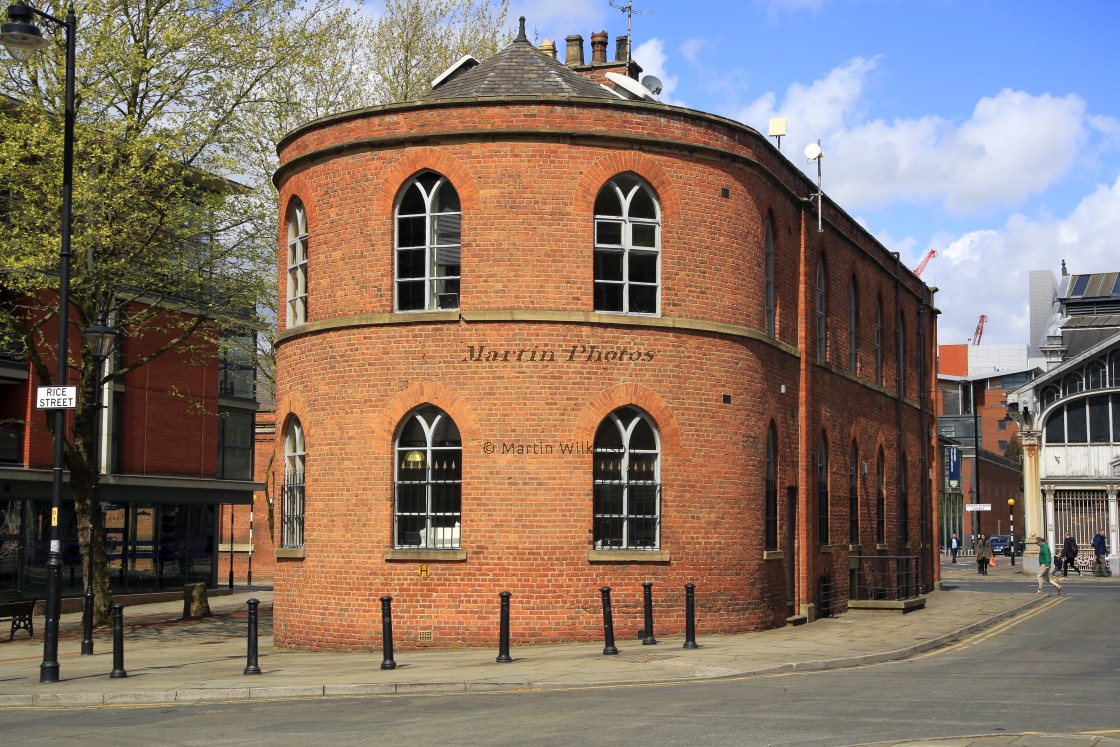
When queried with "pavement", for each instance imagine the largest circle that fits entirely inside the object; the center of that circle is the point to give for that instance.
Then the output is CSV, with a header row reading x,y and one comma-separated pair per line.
x,y
170,660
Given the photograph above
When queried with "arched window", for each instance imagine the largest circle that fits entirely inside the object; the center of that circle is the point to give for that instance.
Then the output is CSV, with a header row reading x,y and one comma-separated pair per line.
x,y
880,499
429,481
770,499
853,327
879,340
1055,429
297,264
822,311
627,482
1050,395
627,247
1114,368
822,491
853,495
293,503
771,306
1095,375
903,500
428,243
1072,384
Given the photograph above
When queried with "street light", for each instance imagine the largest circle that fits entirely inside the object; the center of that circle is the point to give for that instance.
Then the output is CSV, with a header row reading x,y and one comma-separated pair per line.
x,y
99,340
22,38
974,512
1011,513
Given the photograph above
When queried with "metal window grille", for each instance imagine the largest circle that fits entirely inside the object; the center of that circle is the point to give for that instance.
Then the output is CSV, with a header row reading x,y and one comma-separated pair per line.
x,y
429,499
885,577
1081,513
293,510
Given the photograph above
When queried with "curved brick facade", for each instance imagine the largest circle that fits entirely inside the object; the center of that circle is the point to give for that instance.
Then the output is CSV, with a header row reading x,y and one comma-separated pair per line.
x,y
704,370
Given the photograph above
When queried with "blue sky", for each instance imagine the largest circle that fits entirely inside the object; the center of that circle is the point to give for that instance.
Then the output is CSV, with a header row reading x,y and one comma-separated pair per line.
x,y
989,131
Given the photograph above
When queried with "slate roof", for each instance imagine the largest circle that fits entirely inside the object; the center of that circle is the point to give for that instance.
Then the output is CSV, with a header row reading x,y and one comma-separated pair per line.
x,y
519,70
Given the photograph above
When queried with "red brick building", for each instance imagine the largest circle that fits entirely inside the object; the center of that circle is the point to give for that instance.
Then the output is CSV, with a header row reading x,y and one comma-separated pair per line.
x,y
175,441
544,338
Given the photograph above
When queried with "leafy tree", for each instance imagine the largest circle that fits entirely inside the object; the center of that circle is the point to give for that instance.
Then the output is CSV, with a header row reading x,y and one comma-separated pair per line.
x,y
166,243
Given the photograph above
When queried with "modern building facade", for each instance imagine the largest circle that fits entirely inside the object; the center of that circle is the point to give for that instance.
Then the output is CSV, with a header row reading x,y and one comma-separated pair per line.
x,y
544,336
176,441
1070,416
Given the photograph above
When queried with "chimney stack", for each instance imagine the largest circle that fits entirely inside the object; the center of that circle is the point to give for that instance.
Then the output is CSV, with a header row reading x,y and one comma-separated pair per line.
x,y
574,55
622,48
548,48
599,47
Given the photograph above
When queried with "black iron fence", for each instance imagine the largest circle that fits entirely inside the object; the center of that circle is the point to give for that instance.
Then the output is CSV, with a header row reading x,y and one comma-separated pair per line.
x,y
892,577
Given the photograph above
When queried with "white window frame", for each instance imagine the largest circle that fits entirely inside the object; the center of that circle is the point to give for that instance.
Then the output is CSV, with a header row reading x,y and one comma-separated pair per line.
x,y
627,248
297,264
431,280
294,492
437,534
626,482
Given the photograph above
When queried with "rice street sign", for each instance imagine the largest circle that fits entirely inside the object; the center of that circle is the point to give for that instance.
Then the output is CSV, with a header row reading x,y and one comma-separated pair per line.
x,y
56,397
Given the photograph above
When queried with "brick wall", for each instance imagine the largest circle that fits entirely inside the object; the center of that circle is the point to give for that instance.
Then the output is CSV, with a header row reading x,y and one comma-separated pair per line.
x,y
527,189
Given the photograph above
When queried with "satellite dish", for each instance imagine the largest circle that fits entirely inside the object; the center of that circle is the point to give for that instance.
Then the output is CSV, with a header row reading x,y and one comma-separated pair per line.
x,y
653,83
813,151
630,88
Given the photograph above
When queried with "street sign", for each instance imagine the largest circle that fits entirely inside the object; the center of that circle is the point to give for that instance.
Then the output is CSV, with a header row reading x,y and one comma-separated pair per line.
x,y
977,507
56,397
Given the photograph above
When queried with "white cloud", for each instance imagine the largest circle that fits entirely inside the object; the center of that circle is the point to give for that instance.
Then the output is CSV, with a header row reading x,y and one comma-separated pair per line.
x,y
690,49
986,271
651,56
1012,146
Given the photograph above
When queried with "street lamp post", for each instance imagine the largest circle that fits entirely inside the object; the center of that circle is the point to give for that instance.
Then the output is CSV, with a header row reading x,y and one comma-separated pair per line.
x,y
99,340
974,512
22,38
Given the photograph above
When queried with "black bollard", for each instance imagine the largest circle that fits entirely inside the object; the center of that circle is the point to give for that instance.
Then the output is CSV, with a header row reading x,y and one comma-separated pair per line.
x,y
503,630
387,633
87,623
690,616
647,592
251,666
118,643
608,623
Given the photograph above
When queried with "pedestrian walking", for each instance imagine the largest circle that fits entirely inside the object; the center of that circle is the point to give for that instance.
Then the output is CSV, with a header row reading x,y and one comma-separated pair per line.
x,y
1100,550
954,548
983,555
1044,561
1069,556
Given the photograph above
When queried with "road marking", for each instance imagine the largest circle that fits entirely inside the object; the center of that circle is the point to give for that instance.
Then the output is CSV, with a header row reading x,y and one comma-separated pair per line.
x,y
994,630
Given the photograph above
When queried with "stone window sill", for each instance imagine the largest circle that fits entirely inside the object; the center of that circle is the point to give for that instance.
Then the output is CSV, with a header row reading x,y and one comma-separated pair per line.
x,y
627,556
297,553
773,555
426,554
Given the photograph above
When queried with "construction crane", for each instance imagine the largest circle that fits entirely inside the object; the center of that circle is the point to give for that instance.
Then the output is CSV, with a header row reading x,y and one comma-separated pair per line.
x,y
925,261
979,330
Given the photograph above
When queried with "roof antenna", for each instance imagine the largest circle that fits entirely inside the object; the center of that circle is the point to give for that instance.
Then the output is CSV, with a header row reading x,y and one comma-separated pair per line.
x,y
628,9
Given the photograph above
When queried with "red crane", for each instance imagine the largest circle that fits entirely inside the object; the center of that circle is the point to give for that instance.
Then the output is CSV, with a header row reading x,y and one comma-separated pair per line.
x,y
979,330
925,261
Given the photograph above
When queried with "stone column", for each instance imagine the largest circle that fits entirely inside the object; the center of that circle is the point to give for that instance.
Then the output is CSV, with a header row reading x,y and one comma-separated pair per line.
x,y
1032,499
1048,493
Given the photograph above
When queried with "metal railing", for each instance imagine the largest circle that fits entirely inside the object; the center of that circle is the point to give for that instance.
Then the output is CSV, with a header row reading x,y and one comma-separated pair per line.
x,y
883,577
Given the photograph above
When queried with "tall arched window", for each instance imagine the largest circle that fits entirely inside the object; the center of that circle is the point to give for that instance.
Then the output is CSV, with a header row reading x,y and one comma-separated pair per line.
x,y
1114,368
769,297
880,499
429,480
429,227
627,247
770,498
853,495
879,340
1072,384
297,264
293,503
1095,375
627,482
853,327
822,490
903,500
822,311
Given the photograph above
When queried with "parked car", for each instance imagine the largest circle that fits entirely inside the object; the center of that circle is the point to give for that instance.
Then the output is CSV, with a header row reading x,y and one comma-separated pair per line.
x,y
1001,545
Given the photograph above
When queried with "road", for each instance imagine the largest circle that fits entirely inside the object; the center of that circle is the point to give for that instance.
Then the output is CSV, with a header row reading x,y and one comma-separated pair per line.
x,y
1054,669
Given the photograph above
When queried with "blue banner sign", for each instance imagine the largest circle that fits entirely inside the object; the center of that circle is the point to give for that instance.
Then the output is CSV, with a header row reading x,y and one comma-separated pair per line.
x,y
954,468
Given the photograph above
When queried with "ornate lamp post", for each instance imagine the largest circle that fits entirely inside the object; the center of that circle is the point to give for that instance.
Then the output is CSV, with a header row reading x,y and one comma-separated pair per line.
x,y
99,340
22,38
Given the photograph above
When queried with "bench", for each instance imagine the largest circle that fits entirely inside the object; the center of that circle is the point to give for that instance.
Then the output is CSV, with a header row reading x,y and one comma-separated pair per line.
x,y
20,614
